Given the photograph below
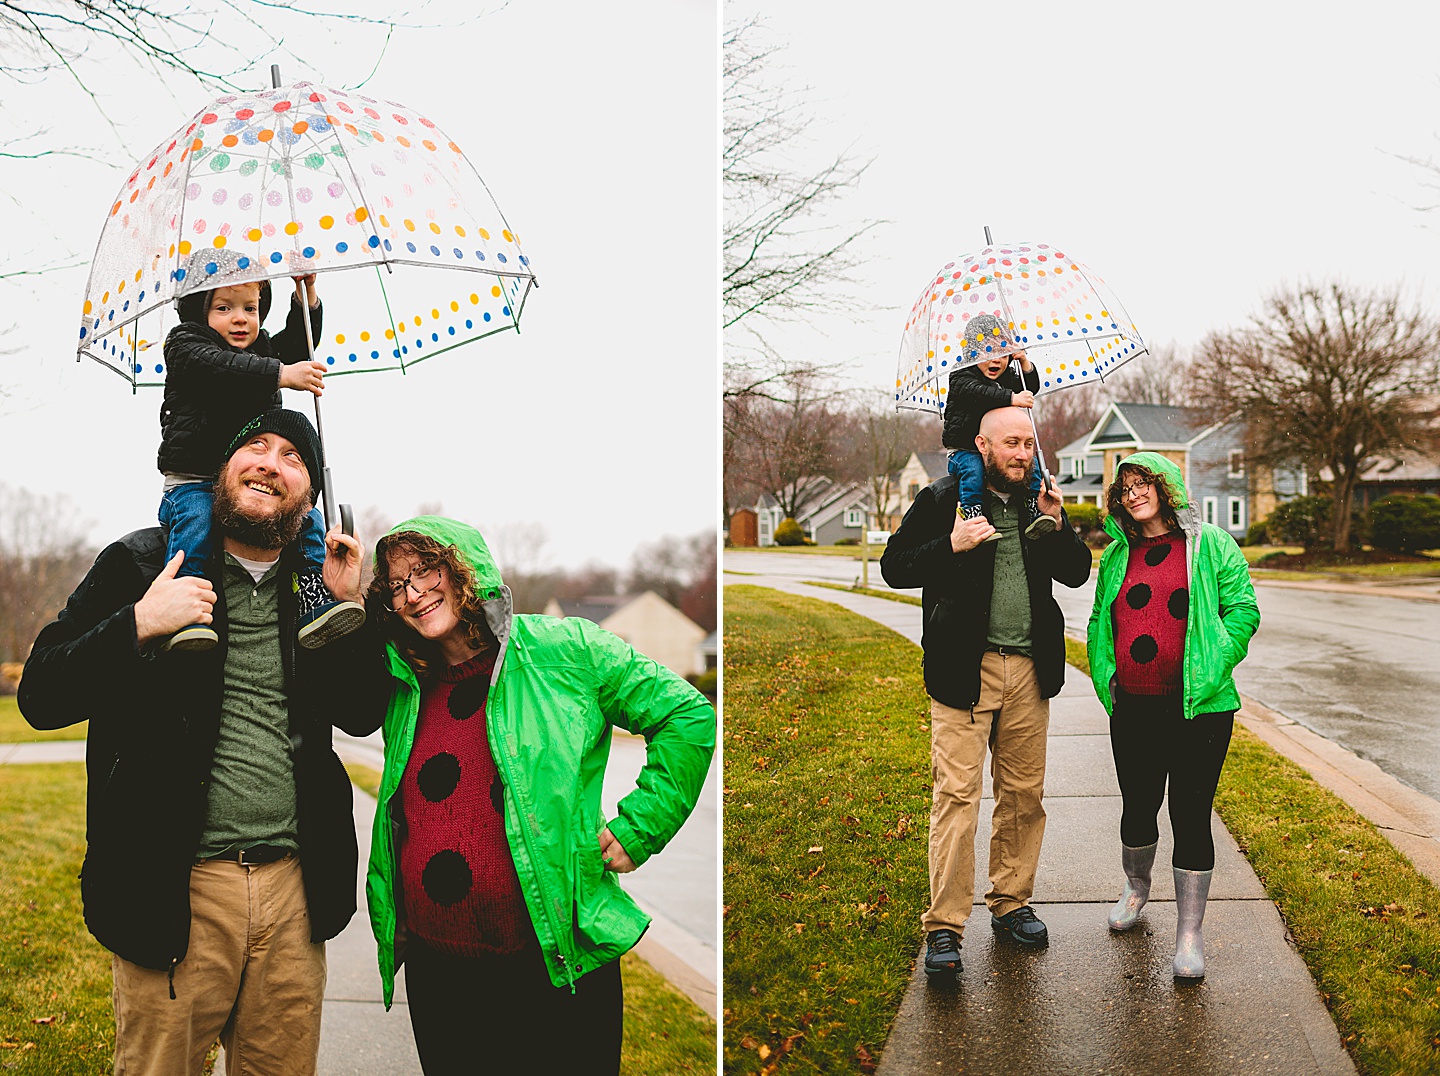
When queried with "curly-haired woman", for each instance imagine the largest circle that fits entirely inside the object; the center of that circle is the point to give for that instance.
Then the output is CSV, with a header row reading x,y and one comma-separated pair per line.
x,y
1174,613
492,869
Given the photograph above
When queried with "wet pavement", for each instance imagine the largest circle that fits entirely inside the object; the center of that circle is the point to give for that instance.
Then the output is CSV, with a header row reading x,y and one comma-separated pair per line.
x,y
1094,1002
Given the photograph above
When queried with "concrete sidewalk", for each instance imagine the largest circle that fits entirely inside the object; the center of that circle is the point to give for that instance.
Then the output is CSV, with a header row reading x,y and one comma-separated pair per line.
x,y
1094,1002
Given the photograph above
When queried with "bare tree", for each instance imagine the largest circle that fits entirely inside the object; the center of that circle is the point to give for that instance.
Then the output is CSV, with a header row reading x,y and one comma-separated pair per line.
x,y
883,440
680,570
789,446
212,41
781,257
44,553
1328,375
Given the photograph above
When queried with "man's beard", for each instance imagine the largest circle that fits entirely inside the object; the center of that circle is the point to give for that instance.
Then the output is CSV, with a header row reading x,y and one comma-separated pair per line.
x,y
999,481
274,531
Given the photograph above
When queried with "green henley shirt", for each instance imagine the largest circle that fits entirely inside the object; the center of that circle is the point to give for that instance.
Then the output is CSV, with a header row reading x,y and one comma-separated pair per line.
x,y
252,778
1010,598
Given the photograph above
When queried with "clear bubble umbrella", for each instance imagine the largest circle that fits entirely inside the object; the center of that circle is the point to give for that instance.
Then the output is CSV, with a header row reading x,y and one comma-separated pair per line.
x,y
305,179
1056,309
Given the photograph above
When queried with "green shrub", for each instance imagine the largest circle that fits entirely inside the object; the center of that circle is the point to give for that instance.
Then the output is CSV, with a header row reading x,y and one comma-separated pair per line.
x,y
1405,524
1300,521
847,541
789,533
1084,517
1258,532
705,682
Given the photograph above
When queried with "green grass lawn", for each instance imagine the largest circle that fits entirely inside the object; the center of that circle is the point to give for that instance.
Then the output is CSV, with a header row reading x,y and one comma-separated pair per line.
x,y
51,970
15,729
827,793
871,592
811,550
56,1017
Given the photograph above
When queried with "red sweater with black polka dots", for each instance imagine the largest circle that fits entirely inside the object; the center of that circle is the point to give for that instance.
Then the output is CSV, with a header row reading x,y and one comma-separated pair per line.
x,y
459,890
1150,617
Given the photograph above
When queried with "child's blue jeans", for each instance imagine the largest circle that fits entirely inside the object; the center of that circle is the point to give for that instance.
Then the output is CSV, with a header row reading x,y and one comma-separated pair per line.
x,y
968,465
186,511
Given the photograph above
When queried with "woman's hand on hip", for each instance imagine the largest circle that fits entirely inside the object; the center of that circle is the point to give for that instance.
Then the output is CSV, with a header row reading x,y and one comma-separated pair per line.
x,y
614,854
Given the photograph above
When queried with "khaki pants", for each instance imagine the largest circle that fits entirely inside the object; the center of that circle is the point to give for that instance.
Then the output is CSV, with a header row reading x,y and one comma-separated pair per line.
x,y
252,978
1013,720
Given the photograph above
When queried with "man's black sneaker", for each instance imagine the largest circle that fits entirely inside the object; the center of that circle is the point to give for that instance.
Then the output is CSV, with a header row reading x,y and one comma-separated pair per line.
x,y
1023,927
942,956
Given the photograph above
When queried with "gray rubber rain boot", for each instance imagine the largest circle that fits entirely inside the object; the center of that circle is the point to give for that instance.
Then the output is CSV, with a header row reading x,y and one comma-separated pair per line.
x,y
1137,863
1192,889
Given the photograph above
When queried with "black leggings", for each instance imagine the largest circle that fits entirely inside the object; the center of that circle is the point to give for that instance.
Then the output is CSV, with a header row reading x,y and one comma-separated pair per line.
x,y
500,1014
1151,740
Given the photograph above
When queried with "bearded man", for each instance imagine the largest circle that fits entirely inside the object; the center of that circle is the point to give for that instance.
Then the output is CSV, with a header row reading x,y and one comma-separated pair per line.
x,y
221,850
994,656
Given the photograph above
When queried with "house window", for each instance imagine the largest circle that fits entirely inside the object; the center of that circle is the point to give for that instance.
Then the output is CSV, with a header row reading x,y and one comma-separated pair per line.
x,y
1237,463
1212,509
1237,513
1077,467
914,490
854,517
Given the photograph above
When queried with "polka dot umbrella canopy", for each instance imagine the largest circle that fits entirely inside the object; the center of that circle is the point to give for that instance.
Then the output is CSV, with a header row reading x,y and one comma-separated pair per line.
x,y
1054,308
301,179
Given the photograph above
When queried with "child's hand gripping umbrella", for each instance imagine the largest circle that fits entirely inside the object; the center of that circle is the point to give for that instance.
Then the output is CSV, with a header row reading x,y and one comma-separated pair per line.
x,y
296,180
1024,297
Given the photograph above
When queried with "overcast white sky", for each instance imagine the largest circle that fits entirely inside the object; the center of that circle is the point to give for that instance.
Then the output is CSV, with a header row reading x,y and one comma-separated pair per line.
x,y
1196,156
595,131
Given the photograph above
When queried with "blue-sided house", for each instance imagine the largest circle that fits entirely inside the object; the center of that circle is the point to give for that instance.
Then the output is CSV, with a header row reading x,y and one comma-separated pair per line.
x,y
1231,492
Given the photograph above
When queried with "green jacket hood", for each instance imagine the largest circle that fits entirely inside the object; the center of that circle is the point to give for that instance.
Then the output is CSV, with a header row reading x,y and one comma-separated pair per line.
x,y
1169,472
466,539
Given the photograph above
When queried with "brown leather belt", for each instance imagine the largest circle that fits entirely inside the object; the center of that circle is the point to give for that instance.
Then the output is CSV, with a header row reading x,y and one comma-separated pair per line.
x,y
252,856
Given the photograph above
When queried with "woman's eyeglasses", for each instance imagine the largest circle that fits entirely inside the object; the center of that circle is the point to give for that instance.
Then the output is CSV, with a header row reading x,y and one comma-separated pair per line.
x,y
1135,489
422,580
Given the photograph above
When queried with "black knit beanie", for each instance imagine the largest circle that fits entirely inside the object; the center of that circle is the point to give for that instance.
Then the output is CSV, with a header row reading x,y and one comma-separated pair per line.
x,y
295,428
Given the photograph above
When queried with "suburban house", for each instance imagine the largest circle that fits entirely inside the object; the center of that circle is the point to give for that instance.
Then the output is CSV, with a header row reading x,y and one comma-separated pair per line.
x,y
1415,472
1231,492
841,510
1080,472
919,471
648,623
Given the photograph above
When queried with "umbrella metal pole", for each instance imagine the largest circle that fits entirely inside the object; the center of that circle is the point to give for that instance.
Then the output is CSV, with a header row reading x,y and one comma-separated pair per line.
x,y
1030,414
327,495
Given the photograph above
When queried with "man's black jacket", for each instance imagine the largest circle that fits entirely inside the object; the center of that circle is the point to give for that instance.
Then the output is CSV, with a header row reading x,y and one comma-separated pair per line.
x,y
958,586
154,722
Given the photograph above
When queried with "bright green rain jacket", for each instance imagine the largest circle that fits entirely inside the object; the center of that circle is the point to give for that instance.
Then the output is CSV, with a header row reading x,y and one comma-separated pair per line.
x,y
558,687
1223,614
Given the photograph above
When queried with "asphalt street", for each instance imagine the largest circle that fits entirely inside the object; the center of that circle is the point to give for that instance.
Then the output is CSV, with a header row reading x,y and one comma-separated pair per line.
x,y
1362,670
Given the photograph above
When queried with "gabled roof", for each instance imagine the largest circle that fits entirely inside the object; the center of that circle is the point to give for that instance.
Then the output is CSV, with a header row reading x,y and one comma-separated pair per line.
x,y
1149,426
593,607
836,500
934,463
1078,447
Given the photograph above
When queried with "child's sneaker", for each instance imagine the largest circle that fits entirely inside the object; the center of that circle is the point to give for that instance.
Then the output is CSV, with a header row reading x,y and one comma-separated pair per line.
x,y
322,618
974,511
195,638
1040,525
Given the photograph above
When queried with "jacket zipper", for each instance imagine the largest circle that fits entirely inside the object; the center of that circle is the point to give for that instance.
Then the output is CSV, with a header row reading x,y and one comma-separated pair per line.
x,y
530,852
